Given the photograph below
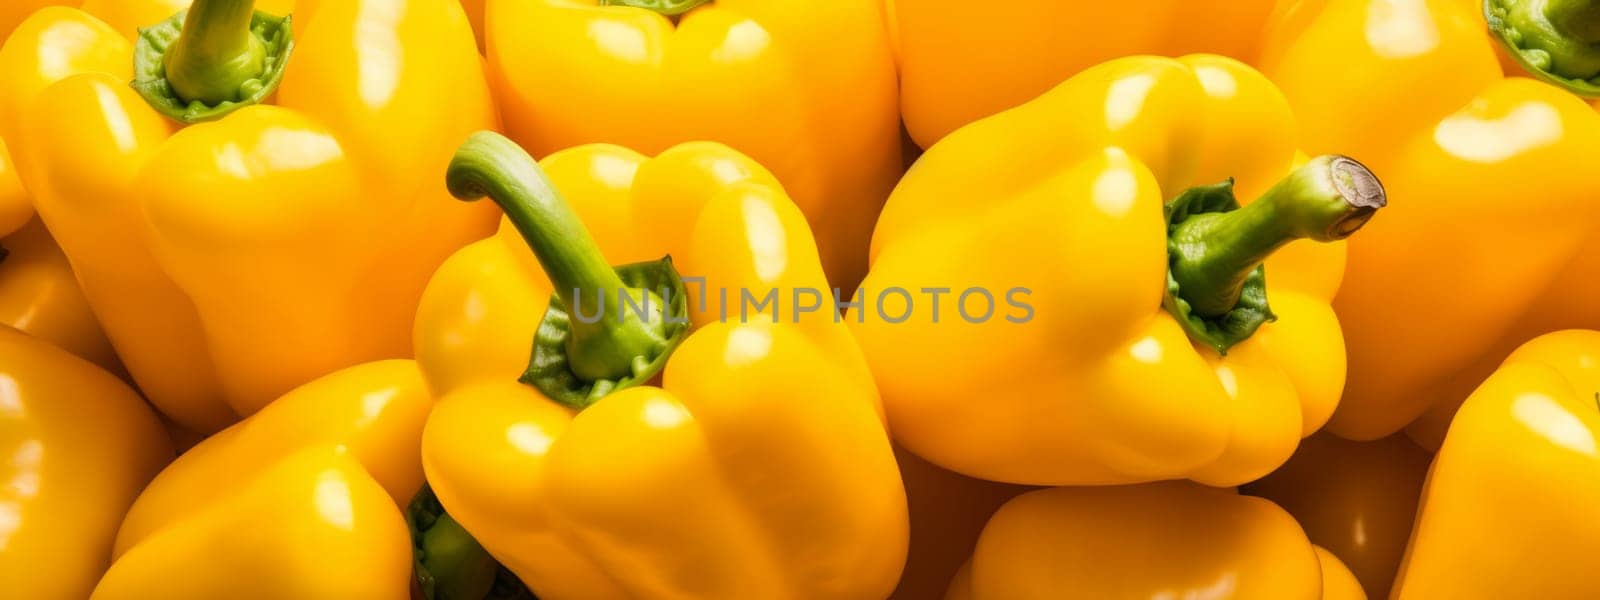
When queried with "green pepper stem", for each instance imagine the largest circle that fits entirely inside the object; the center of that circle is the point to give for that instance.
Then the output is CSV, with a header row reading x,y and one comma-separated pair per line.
x,y
216,53
667,8
460,567
1554,40
1326,200
1578,19
608,346
490,164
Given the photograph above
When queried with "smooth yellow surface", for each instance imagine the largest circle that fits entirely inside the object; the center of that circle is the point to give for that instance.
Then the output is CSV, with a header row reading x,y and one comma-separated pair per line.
x,y
79,445
1507,509
961,61
1489,238
12,12
15,207
1338,583
1357,499
1160,540
122,14
806,88
475,10
1063,196
126,17
38,293
759,468
304,499
39,296
233,260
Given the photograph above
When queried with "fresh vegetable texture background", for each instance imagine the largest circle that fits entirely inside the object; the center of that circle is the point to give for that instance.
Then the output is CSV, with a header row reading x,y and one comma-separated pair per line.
x,y
848,299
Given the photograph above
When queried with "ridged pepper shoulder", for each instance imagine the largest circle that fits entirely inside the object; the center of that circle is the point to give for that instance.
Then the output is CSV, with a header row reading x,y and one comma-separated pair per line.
x,y
234,249
756,466
301,500
776,80
1054,210
1169,539
1494,239
959,61
80,444
1505,510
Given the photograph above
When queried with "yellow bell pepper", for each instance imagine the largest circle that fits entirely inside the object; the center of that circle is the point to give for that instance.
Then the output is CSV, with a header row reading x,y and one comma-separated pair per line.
x,y
474,10
962,61
806,88
79,445
38,293
1565,304
1495,238
1357,499
40,297
1506,512
15,207
1338,582
125,16
13,12
234,259
300,500
1050,360
1160,540
757,466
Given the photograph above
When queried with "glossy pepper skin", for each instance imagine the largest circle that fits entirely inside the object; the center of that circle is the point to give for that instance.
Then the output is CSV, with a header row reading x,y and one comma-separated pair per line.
x,y
12,13
232,260
1505,512
727,478
779,80
38,293
124,15
1063,197
1494,241
1338,582
475,10
15,207
1357,499
1169,539
959,61
40,297
80,445
328,467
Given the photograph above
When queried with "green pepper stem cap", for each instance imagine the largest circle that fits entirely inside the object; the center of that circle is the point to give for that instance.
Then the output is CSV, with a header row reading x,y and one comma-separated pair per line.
x,y
667,8
1216,284
623,322
1555,40
215,58
448,563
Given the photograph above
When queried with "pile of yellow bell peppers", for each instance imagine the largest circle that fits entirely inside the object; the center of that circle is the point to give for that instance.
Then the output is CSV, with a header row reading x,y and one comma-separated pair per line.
x,y
855,299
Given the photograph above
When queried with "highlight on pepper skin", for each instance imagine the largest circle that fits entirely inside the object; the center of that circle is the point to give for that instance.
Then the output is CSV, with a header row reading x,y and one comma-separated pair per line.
x,y
843,299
